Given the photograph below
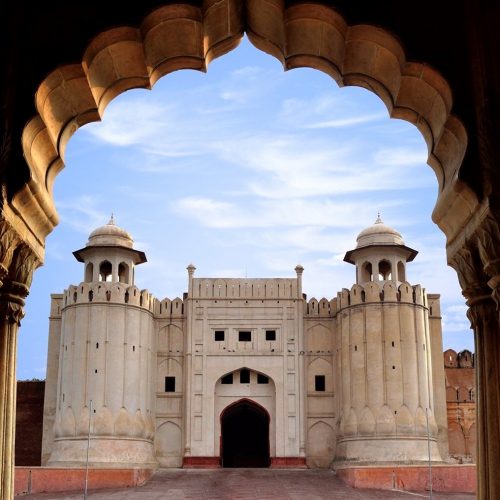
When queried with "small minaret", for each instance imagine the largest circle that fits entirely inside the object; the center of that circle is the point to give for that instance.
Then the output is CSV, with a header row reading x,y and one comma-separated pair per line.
x,y
380,255
107,355
384,358
109,255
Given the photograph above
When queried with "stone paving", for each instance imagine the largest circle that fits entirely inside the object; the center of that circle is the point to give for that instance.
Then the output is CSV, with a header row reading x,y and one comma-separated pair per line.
x,y
245,484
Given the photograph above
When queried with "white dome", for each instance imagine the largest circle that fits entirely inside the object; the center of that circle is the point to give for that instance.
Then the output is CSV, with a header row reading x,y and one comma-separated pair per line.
x,y
379,234
110,235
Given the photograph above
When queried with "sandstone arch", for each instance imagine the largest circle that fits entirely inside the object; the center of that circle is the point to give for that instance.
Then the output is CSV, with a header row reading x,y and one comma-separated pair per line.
x,y
472,229
184,36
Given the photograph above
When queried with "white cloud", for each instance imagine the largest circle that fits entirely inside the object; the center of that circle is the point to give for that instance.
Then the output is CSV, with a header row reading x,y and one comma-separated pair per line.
x,y
274,213
397,156
82,213
347,122
134,123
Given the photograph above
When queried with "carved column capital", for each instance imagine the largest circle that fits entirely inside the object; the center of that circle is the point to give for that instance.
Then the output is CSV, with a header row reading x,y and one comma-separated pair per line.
x,y
9,240
473,280
488,243
16,283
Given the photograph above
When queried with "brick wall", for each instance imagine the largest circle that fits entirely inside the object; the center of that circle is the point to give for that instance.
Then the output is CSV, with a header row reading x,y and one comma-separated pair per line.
x,y
29,422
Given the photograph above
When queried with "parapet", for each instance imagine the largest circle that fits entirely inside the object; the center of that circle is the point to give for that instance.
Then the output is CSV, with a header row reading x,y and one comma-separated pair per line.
x,y
323,308
462,359
170,308
104,292
236,288
372,292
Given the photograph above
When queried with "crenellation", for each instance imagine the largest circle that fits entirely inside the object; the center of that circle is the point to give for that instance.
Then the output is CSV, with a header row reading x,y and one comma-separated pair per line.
x,y
108,292
237,288
373,292
323,308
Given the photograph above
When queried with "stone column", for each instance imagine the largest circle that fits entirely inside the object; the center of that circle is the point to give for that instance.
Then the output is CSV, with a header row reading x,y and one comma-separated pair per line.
x,y
484,313
15,288
478,267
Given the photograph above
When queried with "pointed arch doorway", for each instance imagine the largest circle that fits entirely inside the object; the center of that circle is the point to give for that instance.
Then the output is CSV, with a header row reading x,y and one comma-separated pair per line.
x,y
245,435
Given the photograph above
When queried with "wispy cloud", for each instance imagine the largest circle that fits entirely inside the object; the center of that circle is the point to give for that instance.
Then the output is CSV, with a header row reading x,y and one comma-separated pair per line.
x,y
347,122
273,213
400,156
82,213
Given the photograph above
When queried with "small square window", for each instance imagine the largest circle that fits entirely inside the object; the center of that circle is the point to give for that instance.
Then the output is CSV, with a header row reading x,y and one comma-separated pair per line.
x,y
219,335
245,336
169,384
262,379
227,379
244,376
319,383
271,335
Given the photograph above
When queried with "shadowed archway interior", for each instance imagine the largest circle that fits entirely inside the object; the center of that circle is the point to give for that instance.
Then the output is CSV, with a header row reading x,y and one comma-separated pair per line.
x,y
245,435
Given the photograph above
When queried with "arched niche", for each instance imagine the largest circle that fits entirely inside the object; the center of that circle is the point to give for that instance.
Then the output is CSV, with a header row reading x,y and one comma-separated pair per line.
x,y
365,272
89,272
105,271
320,445
168,445
384,270
124,273
401,271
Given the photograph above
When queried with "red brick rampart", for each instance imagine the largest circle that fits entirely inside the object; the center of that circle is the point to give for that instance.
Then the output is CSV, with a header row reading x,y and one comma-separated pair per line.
x,y
450,478
48,479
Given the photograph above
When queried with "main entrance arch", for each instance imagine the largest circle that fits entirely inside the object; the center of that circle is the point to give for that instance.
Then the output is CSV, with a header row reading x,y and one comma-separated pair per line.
x,y
244,435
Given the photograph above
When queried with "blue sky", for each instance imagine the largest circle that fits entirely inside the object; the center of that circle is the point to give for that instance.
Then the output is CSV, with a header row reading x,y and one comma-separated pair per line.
x,y
244,171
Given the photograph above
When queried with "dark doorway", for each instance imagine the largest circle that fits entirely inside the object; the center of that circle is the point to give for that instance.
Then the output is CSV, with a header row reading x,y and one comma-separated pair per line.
x,y
245,435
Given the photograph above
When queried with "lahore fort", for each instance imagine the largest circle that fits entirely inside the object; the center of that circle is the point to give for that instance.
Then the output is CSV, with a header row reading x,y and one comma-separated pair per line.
x,y
249,372
314,383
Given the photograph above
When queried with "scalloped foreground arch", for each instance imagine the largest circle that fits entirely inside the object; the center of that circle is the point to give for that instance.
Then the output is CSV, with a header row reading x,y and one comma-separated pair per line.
x,y
182,36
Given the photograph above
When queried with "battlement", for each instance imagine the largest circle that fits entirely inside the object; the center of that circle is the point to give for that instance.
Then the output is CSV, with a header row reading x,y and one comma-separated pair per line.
x,y
235,288
115,293
322,308
169,308
373,292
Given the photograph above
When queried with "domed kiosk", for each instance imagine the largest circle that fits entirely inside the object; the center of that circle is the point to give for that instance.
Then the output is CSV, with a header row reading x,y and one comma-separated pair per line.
x,y
109,255
380,254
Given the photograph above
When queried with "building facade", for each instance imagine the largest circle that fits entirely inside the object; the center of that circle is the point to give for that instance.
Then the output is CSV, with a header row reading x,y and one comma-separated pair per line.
x,y
461,403
244,372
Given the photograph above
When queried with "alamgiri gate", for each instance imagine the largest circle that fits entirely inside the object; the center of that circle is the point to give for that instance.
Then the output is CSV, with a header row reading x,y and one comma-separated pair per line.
x,y
245,372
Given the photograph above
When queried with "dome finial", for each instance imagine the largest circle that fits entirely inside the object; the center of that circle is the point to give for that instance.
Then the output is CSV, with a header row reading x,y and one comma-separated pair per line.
x,y
379,220
112,220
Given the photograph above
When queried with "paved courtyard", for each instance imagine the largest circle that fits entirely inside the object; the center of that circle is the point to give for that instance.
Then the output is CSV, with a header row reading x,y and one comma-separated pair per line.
x,y
243,484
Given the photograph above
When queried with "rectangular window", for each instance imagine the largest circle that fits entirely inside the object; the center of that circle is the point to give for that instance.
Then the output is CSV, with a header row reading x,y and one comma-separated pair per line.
x,y
244,376
319,383
169,384
262,379
227,379
219,335
245,336
271,335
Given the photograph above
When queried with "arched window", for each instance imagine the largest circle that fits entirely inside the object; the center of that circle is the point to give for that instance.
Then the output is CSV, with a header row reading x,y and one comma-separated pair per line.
x,y
105,271
384,270
401,271
366,272
89,272
123,273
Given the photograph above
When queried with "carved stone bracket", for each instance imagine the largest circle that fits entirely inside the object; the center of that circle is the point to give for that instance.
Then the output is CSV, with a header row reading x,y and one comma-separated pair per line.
x,y
477,264
9,240
488,243
17,263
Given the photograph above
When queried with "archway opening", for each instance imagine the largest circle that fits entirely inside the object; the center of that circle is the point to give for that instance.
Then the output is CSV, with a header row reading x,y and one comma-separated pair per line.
x,y
245,435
